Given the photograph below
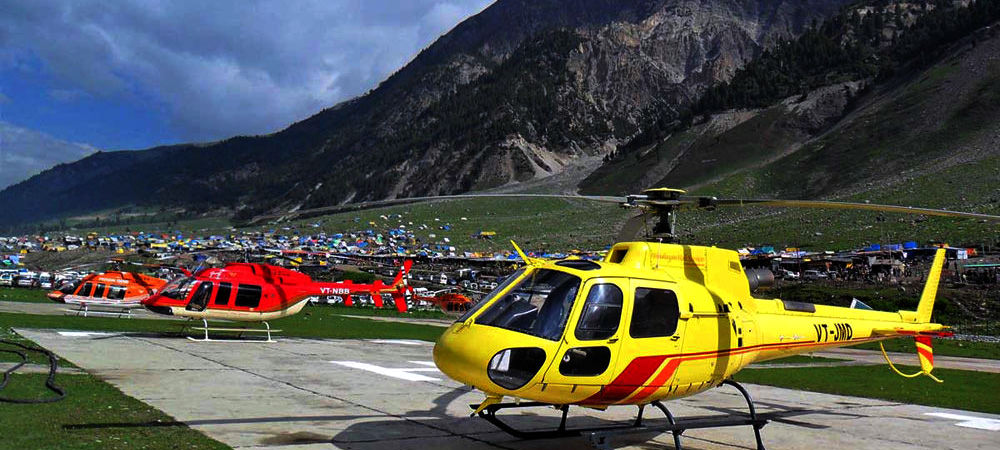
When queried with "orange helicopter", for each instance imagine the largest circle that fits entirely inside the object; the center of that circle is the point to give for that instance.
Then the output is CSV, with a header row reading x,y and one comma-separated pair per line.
x,y
448,302
653,321
252,292
117,289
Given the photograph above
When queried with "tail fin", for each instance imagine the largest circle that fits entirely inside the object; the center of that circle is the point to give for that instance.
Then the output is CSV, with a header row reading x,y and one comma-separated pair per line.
x,y
926,304
400,299
402,272
926,354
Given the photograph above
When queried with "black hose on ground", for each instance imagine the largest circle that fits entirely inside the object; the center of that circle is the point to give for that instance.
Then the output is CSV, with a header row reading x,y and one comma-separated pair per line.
x,y
50,382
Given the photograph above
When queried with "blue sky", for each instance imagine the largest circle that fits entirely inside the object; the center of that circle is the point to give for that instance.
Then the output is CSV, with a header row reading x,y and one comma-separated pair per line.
x,y
131,74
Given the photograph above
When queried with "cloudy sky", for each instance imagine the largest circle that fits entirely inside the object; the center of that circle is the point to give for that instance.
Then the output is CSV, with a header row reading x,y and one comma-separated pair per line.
x,y
129,74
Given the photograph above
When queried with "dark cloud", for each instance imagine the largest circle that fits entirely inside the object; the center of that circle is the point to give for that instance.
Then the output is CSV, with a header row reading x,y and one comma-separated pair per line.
x,y
221,67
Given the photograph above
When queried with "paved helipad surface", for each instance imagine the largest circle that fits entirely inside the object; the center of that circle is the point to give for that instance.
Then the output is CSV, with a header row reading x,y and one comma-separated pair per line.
x,y
321,394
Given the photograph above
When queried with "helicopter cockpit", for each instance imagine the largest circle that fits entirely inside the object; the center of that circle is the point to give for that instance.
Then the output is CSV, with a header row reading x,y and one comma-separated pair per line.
x,y
526,320
178,289
538,305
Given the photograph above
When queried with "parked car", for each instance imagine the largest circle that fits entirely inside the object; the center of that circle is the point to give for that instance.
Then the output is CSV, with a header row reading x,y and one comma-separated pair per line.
x,y
27,280
45,280
813,275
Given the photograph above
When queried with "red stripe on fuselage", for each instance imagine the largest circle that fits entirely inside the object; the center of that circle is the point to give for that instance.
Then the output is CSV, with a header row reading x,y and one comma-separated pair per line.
x,y
640,369
659,381
635,375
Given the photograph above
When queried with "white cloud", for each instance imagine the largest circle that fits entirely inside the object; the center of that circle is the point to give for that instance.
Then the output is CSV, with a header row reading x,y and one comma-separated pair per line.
x,y
222,68
25,152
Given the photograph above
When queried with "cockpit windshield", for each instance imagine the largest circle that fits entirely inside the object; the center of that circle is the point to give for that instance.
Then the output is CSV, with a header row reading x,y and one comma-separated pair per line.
x,y
493,294
538,305
178,289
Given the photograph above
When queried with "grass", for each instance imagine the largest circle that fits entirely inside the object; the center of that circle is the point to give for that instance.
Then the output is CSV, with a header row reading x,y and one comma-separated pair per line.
x,y
94,415
33,357
942,347
380,312
536,224
962,389
802,359
313,322
23,295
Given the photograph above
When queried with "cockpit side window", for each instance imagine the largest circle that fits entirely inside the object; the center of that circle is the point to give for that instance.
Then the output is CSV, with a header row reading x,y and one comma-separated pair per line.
x,y
602,312
654,313
538,305
85,290
201,296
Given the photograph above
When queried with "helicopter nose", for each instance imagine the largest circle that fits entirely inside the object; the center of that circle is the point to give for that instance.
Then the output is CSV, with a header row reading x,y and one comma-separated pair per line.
x,y
490,359
150,304
453,359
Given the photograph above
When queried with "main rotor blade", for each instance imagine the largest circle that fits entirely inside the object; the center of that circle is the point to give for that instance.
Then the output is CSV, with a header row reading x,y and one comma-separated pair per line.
x,y
403,201
709,201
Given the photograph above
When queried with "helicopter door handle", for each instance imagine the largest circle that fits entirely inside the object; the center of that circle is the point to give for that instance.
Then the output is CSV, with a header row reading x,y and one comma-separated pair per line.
x,y
612,340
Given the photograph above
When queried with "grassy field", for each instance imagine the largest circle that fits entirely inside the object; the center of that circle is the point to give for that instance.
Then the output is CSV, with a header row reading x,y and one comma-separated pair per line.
x,y
379,312
962,389
33,357
314,322
536,224
942,347
841,230
8,294
802,359
94,415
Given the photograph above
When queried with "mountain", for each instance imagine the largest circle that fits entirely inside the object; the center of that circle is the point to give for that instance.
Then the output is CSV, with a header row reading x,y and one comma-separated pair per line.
x,y
513,94
25,152
900,109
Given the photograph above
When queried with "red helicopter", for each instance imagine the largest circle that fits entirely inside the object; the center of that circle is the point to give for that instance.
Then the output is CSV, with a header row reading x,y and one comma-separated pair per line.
x,y
253,292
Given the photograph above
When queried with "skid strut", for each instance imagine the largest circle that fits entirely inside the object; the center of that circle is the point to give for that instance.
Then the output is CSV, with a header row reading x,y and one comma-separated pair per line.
x,y
600,436
205,328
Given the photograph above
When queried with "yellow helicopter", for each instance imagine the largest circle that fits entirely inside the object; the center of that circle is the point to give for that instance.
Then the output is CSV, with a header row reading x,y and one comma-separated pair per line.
x,y
653,321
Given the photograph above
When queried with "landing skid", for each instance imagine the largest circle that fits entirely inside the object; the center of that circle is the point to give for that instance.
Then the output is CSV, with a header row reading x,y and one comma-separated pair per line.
x,y
101,310
600,437
206,329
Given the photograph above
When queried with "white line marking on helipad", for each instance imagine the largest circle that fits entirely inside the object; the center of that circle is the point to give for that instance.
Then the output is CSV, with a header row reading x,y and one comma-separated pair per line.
x,y
423,363
398,342
980,423
82,333
402,374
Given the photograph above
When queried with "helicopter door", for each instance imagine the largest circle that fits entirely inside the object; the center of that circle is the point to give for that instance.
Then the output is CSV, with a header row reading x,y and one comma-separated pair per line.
x,y
651,342
201,296
589,347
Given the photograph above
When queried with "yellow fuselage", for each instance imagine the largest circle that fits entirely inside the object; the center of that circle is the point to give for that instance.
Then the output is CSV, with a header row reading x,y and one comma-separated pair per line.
x,y
718,330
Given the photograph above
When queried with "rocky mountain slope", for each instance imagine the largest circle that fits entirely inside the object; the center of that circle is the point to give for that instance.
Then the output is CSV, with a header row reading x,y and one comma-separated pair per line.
x,y
926,134
512,94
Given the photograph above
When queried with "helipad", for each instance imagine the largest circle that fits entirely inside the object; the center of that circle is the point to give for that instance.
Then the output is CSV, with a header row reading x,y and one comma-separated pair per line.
x,y
308,393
